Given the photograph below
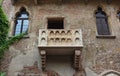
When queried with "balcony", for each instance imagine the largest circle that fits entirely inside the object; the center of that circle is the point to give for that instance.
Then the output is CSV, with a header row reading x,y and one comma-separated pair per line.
x,y
60,42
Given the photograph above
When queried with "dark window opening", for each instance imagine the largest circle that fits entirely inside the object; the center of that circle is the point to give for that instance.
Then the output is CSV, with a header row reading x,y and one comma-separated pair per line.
x,y
21,22
55,24
102,22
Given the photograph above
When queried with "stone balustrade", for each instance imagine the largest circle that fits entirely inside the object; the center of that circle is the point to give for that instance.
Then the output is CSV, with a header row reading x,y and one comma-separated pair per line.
x,y
61,37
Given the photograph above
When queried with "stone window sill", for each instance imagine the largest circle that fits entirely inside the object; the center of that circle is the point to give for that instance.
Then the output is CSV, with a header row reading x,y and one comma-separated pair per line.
x,y
106,36
25,36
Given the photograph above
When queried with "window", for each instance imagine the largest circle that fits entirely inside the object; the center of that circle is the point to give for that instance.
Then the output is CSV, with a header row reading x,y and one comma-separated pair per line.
x,y
55,23
102,22
21,22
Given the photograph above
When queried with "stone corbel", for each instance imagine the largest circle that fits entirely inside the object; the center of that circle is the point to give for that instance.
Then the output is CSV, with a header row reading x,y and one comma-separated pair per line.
x,y
77,60
43,59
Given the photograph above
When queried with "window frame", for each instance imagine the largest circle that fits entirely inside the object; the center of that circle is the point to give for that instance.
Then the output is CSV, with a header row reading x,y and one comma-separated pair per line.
x,y
19,14
109,36
102,22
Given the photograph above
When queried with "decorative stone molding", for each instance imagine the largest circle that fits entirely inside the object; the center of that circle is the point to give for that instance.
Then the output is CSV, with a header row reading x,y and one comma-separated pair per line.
x,y
60,37
110,73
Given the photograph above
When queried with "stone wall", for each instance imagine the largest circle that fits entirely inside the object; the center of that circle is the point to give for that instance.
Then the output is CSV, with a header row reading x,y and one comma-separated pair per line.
x,y
77,15
8,8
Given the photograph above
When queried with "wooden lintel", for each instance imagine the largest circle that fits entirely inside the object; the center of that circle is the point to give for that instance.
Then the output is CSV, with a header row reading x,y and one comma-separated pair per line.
x,y
36,2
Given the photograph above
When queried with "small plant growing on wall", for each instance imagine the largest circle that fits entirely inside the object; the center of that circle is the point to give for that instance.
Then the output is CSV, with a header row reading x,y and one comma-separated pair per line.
x,y
4,26
5,41
2,74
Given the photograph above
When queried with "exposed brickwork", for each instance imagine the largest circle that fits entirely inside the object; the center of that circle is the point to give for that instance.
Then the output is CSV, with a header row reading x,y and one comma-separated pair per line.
x,y
35,71
30,70
4,63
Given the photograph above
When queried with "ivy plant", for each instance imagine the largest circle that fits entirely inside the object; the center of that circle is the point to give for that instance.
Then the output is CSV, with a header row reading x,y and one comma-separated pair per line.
x,y
5,41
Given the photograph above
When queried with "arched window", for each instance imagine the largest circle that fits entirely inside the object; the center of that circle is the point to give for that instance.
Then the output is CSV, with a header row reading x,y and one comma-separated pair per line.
x,y
102,22
21,22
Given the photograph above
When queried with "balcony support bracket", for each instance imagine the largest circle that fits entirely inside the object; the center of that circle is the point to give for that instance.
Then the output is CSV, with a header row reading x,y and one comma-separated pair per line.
x,y
77,60
43,59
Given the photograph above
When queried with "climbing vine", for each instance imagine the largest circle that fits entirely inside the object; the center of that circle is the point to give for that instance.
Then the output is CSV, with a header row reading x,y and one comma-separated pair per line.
x,y
5,41
4,26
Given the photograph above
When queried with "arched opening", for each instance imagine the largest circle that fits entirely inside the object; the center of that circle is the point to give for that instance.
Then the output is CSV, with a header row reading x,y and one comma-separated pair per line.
x,y
21,22
102,22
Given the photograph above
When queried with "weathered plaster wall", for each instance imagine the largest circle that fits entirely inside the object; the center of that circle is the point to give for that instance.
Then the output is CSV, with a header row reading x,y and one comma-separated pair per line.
x,y
8,8
77,15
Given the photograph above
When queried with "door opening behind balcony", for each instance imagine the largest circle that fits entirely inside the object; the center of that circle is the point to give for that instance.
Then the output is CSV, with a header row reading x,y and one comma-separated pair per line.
x,y
55,23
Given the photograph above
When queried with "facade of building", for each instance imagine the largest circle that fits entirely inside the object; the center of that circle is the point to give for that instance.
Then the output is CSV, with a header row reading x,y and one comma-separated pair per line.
x,y
64,37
